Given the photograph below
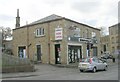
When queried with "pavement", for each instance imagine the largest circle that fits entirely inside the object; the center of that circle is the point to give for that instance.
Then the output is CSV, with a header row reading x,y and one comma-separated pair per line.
x,y
39,68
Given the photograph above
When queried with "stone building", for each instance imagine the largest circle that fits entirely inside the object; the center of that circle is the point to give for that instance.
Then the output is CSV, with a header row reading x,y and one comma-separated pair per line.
x,y
56,40
114,39
105,44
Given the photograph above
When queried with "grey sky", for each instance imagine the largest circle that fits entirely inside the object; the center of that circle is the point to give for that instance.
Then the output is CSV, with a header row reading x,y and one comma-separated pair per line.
x,y
95,13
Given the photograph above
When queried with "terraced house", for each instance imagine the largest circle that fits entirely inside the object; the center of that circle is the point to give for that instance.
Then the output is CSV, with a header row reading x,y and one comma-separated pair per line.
x,y
56,40
111,43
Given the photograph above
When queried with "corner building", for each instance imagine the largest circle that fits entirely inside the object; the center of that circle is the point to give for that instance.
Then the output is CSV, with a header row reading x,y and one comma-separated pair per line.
x,y
56,40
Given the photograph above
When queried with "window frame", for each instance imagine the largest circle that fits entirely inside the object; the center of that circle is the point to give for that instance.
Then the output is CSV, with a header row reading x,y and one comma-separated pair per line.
x,y
40,32
93,34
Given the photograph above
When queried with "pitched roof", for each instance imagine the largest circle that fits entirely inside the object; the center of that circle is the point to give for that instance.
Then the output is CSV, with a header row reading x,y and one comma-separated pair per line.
x,y
46,19
53,17
116,25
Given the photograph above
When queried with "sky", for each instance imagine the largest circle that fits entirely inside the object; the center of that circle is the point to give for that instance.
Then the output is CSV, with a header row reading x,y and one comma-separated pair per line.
x,y
96,13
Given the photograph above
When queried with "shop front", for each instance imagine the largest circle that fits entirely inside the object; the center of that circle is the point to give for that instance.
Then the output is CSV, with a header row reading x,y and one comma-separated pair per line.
x,y
74,53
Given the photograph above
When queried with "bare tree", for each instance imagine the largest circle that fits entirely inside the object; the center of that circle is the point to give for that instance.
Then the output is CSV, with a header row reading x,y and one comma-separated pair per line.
x,y
103,31
6,32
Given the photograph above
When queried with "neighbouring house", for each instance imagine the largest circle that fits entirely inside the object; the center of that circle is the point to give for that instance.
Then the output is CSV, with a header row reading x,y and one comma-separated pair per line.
x,y
56,40
114,33
105,44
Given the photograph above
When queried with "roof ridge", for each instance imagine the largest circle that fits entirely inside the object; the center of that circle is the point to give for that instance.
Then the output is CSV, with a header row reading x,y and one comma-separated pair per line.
x,y
47,18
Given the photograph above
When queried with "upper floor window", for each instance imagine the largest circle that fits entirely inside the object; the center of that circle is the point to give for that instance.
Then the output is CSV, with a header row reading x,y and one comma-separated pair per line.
x,y
77,32
93,34
40,32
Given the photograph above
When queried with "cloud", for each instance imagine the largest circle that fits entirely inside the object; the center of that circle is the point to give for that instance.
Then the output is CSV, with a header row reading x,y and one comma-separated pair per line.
x,y
92,12
54,2
86,6
97,13
6,17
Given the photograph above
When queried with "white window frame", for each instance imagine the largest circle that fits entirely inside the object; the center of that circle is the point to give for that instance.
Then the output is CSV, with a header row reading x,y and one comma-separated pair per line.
x,y
93,34
40,32
77,32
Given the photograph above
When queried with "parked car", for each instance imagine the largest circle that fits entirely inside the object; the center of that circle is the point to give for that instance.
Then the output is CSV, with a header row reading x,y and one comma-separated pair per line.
x,y
92,64
107,56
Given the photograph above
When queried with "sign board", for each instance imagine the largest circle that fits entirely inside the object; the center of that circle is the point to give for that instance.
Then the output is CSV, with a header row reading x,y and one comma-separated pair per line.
x,y
58,34
84,40
79,39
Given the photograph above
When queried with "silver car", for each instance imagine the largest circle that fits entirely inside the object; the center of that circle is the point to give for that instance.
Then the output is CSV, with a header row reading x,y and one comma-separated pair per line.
x,y
92,64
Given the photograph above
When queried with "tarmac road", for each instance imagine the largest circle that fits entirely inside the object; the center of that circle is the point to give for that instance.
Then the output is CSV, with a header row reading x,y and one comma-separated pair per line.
x,y
49,72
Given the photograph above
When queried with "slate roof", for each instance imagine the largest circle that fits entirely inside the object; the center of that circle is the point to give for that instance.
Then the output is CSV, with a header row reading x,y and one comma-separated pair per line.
x,y
116,25
53,17
46,19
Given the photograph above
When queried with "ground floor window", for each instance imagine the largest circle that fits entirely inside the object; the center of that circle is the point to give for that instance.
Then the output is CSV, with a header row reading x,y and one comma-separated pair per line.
x,y
74,53
22,51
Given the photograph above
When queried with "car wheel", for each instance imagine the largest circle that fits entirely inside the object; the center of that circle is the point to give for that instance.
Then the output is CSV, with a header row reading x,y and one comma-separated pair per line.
x,y
81,70
106,68
94,69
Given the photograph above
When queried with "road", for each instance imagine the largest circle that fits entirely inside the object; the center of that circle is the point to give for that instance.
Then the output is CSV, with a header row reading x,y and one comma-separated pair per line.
x,y
49,72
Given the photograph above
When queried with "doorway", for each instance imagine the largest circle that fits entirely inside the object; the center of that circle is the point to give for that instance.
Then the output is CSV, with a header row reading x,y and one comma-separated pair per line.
x,y
38,52
22,52
104,47
57,54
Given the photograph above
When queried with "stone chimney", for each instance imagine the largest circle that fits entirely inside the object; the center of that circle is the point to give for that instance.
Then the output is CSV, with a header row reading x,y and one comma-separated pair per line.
x,y
17,19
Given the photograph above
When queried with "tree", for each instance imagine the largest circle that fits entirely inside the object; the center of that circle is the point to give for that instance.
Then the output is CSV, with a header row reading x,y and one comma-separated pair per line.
x,y
6,32
103,31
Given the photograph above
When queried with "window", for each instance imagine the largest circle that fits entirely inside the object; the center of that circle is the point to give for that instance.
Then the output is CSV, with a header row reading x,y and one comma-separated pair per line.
x,y
40,32
77,32
93,34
